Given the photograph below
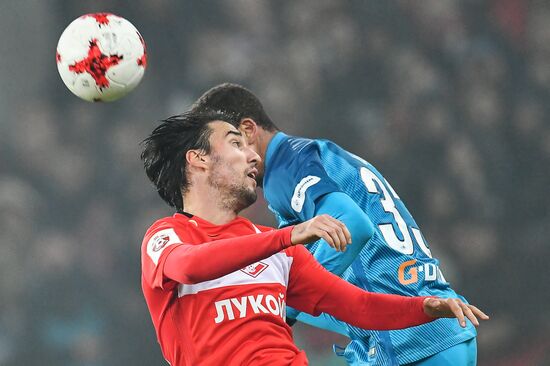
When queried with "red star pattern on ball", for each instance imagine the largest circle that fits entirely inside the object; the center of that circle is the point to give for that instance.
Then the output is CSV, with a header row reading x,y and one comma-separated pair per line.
x,y
96,64
101,18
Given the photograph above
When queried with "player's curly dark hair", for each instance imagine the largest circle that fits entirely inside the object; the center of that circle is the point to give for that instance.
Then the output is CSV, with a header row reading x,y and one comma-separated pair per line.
x,y
237,101
164,151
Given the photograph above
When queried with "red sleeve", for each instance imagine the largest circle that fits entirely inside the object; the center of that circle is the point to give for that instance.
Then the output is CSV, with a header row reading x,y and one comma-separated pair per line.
x,y
159,241
264,228
315,290
194,263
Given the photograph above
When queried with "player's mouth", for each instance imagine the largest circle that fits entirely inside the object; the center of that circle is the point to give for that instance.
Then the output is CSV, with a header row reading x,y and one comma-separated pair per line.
x,y
252,174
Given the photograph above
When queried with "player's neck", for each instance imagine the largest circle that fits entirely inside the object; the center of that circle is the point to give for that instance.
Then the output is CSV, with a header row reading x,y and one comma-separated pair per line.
x,y
263,141
207,204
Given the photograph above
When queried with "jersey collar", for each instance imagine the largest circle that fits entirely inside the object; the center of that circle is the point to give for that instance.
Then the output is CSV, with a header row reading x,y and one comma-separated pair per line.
x,y
207,224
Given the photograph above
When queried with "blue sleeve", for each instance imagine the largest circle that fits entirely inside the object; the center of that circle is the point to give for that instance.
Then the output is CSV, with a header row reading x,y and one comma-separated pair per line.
x,y
342,207
339,205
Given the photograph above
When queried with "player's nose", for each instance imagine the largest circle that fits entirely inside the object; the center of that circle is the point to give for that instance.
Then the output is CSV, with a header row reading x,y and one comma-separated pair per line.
x,y
252,156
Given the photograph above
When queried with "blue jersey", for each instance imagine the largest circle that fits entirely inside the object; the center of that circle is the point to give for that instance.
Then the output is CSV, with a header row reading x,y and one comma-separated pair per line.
x,y
397,258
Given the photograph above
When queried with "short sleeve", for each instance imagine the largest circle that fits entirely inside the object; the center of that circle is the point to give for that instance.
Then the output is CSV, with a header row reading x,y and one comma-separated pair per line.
x,y
297,179
157,244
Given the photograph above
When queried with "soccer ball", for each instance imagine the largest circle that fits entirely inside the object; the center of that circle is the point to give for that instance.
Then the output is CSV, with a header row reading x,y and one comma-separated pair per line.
x,y
101,57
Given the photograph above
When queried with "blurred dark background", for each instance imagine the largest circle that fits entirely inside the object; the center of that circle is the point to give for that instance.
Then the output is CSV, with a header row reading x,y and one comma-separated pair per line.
x,y
449,99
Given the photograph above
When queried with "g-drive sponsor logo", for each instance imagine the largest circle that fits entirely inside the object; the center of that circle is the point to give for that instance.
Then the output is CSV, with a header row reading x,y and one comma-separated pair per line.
x,y
240,307
299,196
410,272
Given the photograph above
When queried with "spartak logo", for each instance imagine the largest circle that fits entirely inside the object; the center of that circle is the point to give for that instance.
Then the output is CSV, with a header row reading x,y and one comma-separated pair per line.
x,y
255,269
160,242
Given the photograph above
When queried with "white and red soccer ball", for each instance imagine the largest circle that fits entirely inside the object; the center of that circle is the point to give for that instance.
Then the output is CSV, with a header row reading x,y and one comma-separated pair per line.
x,y
101,57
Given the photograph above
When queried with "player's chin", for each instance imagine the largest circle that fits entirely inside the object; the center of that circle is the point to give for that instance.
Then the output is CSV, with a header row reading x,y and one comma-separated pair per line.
x,y
246,197
252,195
252,182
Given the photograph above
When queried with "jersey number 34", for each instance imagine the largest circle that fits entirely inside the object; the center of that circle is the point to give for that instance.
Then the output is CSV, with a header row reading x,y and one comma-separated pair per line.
x,y
375,185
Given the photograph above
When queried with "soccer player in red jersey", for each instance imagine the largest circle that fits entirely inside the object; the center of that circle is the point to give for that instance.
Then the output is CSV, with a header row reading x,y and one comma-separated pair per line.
x,y
216,285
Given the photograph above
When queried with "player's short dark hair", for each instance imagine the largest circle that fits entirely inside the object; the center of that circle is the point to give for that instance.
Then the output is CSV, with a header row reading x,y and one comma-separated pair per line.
x,y
164,151
237,101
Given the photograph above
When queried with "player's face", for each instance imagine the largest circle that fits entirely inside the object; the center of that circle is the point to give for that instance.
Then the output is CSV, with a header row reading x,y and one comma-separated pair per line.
x,y
260,175
246,127
232,167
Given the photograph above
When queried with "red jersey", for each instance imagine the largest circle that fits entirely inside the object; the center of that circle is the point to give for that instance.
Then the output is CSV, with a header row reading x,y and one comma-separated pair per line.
x,y
225,301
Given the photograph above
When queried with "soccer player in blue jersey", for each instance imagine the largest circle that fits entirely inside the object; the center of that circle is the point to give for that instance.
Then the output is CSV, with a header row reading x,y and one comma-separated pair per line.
x,y
302,178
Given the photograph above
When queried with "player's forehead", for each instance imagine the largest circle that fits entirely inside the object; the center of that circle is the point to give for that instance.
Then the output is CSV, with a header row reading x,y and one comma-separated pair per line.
x,y
222,130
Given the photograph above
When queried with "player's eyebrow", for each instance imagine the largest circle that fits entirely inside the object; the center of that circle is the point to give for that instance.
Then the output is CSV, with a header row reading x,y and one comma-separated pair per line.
x,y
232,132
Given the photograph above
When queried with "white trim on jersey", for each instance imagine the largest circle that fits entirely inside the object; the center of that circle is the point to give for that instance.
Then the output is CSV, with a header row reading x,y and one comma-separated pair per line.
x,y
277,271
257,230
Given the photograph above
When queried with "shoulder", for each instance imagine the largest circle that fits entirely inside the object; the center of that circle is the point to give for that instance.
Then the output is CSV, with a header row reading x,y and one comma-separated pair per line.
x,y
175,221
299,145
168,229
291,153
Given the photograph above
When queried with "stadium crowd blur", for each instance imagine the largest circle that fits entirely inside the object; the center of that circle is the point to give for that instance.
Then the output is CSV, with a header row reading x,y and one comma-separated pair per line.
x,y
449,99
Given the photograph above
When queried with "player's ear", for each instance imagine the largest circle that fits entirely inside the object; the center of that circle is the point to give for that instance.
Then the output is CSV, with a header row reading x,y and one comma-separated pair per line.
x,y
196,159
249,129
